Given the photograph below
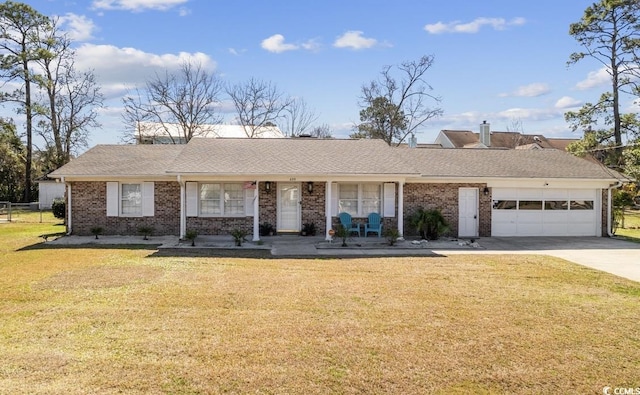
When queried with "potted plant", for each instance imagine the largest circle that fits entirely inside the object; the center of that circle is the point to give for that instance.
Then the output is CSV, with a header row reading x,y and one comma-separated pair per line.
x,y
96,230
191,235
266,229
308,229
429,223
145,231
238,236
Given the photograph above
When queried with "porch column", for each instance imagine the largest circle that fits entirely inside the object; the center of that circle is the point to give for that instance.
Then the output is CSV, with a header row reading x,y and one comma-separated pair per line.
x,y
327,211
256,212
401,208
183,212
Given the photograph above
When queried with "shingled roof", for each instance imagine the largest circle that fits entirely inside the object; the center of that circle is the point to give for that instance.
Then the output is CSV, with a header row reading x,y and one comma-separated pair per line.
x,y
121,160
326,157
289,156
495,163
510,140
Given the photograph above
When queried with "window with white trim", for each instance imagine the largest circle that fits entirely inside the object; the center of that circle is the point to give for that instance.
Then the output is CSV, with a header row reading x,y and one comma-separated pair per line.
x,y
359,200
131,199
218,199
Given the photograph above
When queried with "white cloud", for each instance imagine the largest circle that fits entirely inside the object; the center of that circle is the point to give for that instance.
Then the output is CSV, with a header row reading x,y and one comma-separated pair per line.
x,y
473,26
79,27
276,44
353,39
567,102
137,5
118,69
594,79
532,90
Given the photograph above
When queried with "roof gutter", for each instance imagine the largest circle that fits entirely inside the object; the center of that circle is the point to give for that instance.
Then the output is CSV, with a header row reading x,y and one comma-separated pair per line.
x,y
609,208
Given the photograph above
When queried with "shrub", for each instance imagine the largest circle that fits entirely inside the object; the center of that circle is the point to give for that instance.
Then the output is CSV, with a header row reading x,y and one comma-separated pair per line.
x,y
96,230
145,231
266,229
431,224
392,235
238,236
59,208
191,235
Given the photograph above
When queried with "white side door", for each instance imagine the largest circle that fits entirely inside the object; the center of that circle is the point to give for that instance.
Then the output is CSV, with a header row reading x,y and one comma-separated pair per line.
x,y
468,212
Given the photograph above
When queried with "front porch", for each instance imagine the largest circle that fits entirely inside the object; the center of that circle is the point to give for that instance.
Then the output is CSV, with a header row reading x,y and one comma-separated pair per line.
x,y
286,246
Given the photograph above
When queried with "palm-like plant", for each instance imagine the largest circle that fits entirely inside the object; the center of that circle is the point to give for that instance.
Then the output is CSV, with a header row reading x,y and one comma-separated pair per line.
x,y
429,223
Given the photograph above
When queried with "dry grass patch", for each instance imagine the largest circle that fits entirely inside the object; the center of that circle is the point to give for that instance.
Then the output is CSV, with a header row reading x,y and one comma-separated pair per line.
x,y
463,324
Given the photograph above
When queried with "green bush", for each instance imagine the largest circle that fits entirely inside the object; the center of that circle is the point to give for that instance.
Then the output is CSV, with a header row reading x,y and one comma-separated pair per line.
x,y
59,208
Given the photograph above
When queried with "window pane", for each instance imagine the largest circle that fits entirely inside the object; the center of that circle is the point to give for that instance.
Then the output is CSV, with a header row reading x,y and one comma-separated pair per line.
x,y
556,205
504,204
131,199
210,191
233,199
370,199
581,205
530,205
348,199
210,199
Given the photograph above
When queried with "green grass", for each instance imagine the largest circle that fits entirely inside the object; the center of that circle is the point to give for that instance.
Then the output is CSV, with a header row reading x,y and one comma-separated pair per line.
x,y
631,230
82,320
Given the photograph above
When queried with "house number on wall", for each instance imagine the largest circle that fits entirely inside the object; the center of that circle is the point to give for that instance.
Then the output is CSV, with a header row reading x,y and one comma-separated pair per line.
x,y
292,179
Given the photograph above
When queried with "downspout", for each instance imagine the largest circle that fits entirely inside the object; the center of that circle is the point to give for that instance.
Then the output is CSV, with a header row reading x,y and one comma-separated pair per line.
x,y
609,208
68,185
256,213
183,217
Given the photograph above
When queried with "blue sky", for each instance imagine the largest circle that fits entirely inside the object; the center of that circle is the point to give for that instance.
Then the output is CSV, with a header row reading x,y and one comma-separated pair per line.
x,y
495,60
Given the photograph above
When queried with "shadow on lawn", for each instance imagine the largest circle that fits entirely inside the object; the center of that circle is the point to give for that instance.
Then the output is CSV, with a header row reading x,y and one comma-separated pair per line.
x,y
48,246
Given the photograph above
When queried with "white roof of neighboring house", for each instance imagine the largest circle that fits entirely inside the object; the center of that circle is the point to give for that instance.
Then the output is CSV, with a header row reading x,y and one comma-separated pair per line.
x,y
155,129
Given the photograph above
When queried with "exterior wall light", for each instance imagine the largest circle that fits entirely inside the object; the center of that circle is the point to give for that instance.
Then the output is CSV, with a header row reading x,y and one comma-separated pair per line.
x,y
267,186
485,191
310,187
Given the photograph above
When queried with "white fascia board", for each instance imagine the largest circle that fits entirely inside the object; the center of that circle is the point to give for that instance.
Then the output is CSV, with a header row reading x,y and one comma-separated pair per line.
x,y
132,178
505,182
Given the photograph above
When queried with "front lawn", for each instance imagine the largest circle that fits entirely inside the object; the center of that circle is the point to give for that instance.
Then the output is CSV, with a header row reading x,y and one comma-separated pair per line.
x,y
126,321
631,228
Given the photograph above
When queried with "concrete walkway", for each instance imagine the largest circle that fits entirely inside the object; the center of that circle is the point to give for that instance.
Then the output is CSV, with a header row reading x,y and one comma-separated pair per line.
x,y
611,255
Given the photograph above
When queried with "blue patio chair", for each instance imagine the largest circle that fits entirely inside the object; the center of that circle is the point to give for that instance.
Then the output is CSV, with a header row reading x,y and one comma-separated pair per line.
x,y
374,224
345,220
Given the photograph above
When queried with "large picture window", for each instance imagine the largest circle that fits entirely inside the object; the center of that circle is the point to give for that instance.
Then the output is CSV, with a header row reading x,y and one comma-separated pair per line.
x,y
131,199
222,199
359,200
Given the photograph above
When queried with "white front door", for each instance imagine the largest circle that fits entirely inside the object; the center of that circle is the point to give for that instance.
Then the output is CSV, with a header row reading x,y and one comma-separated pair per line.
x,y
468,212
288,207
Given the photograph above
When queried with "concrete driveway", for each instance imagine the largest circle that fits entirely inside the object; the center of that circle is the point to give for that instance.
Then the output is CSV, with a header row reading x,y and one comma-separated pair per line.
x,y
611,255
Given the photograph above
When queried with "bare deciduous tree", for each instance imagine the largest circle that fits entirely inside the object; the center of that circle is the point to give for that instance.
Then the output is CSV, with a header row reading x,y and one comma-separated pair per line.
x,y
298,118
321,131
186,100
70,103
258,104
407,97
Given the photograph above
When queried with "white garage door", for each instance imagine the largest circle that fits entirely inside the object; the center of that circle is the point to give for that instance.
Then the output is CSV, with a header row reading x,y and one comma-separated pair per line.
x,y
544,212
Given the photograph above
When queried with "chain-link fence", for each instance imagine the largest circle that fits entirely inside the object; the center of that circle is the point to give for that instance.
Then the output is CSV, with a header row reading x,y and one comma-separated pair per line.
x,y
26,213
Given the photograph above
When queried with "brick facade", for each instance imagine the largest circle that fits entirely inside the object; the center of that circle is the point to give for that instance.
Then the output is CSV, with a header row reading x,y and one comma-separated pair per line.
x,y
89,209
445,198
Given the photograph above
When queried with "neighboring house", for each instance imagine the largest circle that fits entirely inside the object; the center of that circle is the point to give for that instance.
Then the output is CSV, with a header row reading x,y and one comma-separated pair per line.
x,y
490,139
157,133
49,190
216,185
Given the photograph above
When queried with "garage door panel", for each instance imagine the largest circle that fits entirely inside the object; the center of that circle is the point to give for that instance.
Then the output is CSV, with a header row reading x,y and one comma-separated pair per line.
x,y
556,219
